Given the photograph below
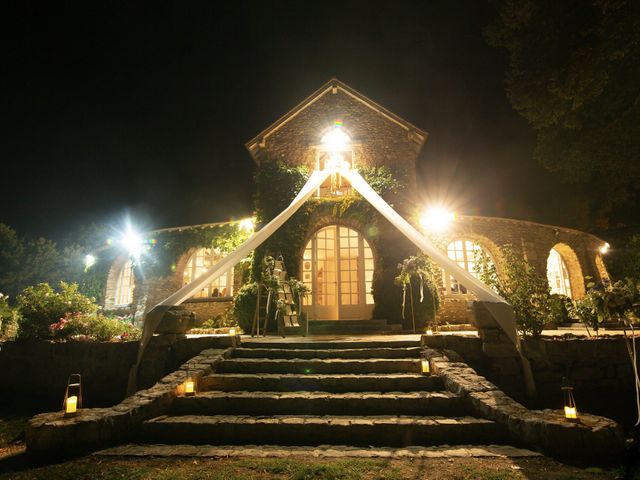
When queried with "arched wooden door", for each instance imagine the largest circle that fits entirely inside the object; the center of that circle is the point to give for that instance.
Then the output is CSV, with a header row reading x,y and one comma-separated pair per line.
x,y
337,267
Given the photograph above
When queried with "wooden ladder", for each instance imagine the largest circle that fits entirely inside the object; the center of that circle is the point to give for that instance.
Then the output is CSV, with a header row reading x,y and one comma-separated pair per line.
x,y
284,295
290,316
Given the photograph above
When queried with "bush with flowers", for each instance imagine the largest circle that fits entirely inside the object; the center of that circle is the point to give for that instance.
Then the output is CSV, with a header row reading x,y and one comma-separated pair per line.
x,y
66,314
94,327
8,318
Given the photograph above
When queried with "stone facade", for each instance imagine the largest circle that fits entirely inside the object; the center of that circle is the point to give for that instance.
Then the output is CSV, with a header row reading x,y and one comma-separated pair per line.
x,y
580,252
380,138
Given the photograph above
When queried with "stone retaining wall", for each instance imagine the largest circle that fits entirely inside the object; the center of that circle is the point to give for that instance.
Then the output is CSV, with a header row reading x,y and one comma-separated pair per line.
x,y
598,369
591,438
50,435
36,373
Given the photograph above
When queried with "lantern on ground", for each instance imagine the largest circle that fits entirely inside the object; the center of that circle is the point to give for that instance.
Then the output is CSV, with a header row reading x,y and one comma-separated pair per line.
x,y
570,410
190,385
73,396
426,366
232,332
429,331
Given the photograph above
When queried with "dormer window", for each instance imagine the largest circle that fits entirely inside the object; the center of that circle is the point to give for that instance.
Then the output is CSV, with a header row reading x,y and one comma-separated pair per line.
x,y
335,151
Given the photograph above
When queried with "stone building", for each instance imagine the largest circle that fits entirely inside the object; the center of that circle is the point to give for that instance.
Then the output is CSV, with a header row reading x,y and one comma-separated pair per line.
x,y
349,261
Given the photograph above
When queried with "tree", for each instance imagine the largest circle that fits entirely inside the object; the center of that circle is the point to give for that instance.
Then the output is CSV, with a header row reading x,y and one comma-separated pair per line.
x,y
521,286
11,254
25,262
573,74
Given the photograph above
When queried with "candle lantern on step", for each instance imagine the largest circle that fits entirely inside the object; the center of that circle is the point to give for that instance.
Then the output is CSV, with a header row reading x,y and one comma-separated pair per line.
x,y
190,385
426,366
232,332
429,331
73,396
570,410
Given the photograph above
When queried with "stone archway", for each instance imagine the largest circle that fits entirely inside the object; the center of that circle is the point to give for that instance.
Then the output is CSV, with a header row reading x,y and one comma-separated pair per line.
x,y
573,268
602,269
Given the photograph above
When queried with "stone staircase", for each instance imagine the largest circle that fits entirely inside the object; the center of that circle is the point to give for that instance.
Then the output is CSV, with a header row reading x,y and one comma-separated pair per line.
x,y
323,393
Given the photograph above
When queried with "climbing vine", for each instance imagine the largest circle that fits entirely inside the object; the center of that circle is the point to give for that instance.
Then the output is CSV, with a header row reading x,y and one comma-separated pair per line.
x,y
167,247
277,185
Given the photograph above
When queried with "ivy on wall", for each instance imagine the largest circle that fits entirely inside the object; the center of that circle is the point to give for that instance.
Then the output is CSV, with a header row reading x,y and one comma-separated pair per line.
x,y
169,246
277,185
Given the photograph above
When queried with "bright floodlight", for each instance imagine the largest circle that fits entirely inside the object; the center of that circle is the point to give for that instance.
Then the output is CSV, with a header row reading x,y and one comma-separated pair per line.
x,y
436,219
335,140
89,261
605,248
246,225
132,242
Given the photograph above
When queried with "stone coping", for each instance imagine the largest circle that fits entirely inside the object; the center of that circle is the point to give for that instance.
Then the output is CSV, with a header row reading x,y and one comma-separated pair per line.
x,y
592,438
52,435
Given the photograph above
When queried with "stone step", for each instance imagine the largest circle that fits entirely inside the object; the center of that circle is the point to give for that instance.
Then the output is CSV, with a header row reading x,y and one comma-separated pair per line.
x,y
375,321
297,344
313,430
406,382
321,451
322,403
351,326
290,353
315,366
348,330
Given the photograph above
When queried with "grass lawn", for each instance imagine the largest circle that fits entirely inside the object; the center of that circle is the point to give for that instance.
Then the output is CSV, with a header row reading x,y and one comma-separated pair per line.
x,y
101,468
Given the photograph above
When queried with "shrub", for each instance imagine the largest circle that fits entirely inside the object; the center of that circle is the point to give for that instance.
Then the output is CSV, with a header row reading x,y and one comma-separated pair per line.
x,y
560,307
8,318
244,307
40,306
603,303
94,327
520,285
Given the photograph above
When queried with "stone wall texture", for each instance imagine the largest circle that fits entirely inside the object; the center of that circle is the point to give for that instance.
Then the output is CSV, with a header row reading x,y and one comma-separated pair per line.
x,y
533,241
599,369
37,372
377,138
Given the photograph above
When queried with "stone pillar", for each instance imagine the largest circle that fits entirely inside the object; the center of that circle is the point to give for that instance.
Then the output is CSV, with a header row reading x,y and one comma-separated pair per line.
x,y
503,360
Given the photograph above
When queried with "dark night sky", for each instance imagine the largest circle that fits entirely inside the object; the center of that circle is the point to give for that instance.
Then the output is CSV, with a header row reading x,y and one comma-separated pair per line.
x,y
131,107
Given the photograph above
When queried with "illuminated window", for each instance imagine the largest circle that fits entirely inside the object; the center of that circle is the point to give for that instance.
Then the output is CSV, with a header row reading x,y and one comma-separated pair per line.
x,y
557,274
125,284
464,253
199,263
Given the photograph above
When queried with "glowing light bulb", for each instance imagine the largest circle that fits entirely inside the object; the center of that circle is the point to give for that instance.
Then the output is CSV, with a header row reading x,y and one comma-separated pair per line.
x,y
89,261
132,242
336,140
246,225
437,219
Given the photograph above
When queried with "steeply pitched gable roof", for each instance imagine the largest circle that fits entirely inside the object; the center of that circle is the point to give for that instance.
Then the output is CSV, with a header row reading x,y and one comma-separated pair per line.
x,y
332,86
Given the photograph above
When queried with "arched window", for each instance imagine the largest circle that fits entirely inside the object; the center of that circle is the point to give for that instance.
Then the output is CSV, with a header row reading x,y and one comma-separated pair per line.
x,y
557,274
199,263
125,283
464,253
